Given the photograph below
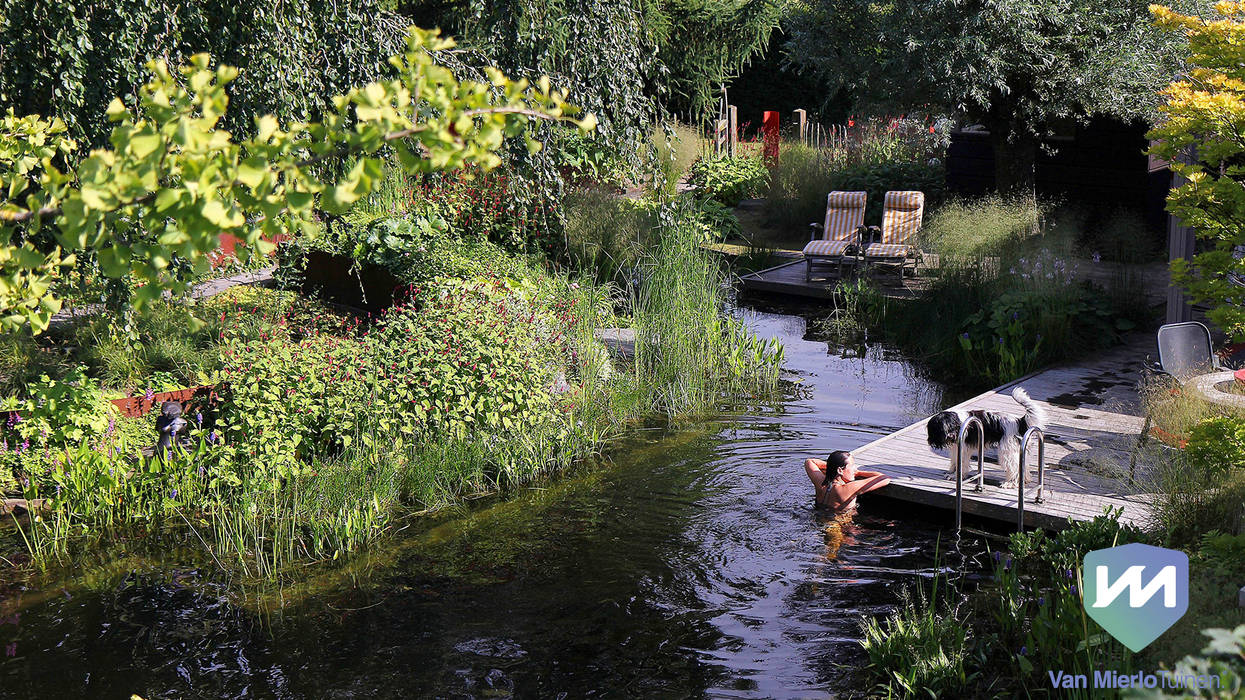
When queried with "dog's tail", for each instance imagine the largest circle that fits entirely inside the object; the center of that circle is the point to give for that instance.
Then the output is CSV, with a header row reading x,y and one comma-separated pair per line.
x,y
1034,415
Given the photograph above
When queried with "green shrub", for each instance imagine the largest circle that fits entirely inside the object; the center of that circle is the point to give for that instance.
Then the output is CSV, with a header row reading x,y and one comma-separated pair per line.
x,y
51,416
716,221
728,180
1223,552
1217,445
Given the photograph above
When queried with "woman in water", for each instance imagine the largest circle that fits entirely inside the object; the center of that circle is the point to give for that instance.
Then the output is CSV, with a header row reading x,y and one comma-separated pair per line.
x,y
837,482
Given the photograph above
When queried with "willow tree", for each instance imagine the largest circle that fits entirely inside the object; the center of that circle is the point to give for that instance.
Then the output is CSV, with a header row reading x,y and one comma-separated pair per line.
x,y
625,60
173,180
1202,134
1021,68
70,59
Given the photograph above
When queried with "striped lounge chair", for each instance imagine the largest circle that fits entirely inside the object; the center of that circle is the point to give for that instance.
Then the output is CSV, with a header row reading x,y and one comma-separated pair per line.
x,y
901,222
839,236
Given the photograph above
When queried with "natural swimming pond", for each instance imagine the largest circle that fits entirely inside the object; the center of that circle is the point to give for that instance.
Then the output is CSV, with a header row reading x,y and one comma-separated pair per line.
x,y
689,563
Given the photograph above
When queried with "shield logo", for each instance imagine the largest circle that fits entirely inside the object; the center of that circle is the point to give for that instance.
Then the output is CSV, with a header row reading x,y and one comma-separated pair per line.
x,y
1136,591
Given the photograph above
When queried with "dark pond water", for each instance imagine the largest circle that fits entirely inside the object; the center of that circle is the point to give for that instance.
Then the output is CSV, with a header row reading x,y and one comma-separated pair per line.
x,y
690,564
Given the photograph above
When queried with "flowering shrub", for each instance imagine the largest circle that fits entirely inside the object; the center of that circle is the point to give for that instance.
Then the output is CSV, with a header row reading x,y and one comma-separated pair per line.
x,y
489,206
287,398
470,357
477,355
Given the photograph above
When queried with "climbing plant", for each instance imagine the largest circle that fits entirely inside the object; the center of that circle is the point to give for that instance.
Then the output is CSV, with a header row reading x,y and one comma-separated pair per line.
x,y
173,179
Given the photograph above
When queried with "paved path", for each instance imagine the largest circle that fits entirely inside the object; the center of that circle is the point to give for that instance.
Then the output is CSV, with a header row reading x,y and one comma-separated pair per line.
x,y
202,290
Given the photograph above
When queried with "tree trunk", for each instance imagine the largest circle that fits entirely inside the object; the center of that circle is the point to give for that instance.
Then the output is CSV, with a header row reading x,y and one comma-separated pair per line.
x,y
1014,161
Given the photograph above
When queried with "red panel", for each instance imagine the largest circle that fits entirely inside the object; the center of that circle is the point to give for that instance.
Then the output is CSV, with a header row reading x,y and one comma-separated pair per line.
x,y
769,127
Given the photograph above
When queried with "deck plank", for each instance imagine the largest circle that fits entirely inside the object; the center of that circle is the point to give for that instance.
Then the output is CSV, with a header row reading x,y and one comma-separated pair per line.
x,y
788,278
1093,422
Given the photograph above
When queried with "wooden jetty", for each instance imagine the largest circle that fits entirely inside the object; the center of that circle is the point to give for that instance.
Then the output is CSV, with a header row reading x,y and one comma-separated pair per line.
x,y
788,278
1093,424
1150,279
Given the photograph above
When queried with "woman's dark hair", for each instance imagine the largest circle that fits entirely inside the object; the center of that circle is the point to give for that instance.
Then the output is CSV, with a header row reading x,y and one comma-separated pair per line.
x,y
834,464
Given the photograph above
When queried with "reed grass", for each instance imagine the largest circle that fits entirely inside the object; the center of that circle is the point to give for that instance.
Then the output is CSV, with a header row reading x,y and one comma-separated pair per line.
x,y
688,354
676,146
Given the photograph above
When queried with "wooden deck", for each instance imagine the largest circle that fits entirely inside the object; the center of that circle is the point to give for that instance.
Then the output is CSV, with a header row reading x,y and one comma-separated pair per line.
x,y
1151,279
788,278
1093,423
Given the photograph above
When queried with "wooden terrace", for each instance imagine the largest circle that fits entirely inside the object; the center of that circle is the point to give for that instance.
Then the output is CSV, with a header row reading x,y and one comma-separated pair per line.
x,y
1093,425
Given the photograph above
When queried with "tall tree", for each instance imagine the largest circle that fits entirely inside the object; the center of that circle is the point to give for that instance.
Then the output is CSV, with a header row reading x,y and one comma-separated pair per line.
x,y
1021,68
625,60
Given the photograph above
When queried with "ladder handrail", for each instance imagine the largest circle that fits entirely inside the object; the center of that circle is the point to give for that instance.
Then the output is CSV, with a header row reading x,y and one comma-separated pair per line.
x,y
959,464
1020,481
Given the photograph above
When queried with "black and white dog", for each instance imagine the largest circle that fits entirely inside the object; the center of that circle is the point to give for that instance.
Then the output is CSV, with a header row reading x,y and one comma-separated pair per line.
x,y
1001,430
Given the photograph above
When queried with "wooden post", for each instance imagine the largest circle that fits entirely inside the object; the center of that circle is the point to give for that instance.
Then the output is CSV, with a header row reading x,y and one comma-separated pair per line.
x,y
801,124
732,129
1180,244
719,137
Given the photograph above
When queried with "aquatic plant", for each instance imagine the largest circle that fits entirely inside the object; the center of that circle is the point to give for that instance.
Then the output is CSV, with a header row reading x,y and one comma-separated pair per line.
x,y
487,384
921,649
1005,634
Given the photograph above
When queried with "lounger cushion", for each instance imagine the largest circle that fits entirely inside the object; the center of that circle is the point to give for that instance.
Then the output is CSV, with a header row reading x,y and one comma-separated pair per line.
x,y
887,250
845,212
826,248
901,216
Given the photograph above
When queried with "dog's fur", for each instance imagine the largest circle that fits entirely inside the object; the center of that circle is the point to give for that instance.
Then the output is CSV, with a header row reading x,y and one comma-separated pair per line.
x,y
1001,430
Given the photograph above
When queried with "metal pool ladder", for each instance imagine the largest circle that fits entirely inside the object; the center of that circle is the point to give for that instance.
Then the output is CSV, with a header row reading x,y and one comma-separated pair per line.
x,y
1020,482
959,462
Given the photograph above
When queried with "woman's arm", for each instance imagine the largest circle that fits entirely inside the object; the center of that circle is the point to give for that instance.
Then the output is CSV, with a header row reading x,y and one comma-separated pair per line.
x,y
816,470
864,474
846,492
